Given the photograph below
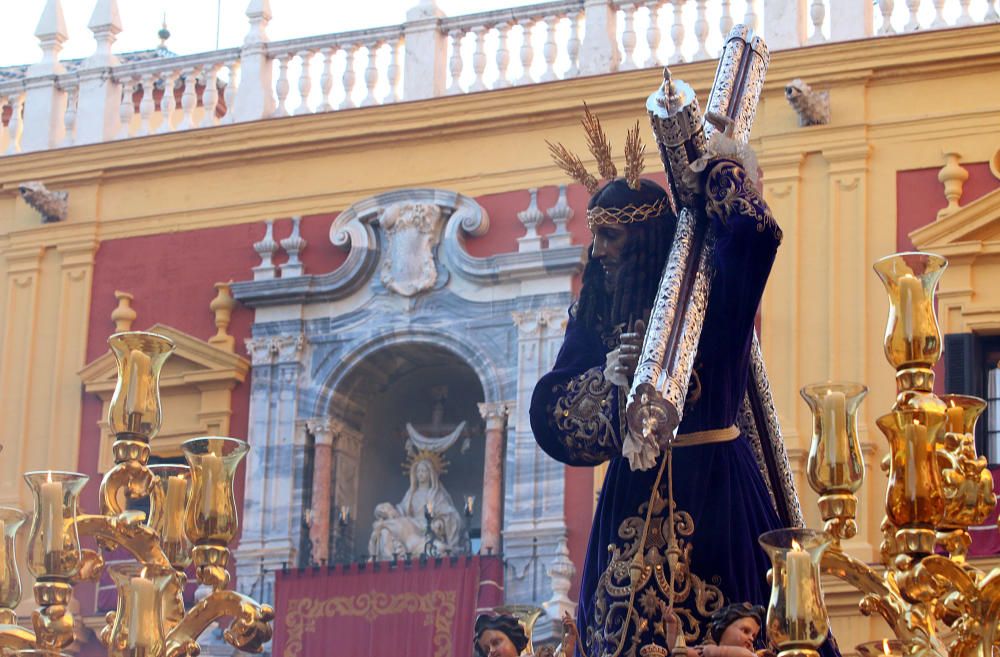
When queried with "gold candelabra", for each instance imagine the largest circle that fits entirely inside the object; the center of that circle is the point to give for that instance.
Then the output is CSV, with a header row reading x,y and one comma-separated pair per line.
x,y
935,602
192,519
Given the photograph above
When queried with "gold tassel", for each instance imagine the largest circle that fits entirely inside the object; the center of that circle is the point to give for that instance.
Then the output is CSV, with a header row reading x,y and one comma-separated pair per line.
x,y
634,161
599,144
573,166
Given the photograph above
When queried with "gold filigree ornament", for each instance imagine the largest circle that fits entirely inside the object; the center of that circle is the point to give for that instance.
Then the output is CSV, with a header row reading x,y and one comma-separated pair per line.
x,y
600,148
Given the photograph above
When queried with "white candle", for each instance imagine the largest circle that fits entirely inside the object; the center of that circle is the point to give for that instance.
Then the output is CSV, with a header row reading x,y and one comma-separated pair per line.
x,y
211,471
52,515
834,425
798,573
916,436
140,369
141,620
956,418
911,297
173,509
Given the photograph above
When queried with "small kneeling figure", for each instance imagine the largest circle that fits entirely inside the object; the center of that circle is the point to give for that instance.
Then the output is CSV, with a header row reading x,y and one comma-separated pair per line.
x,y
733,631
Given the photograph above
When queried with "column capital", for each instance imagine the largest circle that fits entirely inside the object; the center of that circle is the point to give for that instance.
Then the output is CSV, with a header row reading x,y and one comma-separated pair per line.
x,y
496,413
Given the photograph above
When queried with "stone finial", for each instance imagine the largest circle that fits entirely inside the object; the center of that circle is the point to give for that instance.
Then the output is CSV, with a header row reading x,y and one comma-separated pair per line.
x,y
51,34
530,218
561,571
953,177
265,248
123,315
560,214
222,305
259,15
105,23
294,244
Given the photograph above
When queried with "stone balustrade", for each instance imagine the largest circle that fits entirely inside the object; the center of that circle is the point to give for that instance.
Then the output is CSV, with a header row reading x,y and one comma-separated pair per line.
x,y
52,104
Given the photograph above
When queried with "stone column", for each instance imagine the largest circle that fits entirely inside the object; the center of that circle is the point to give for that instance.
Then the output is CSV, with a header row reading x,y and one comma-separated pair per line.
x,y
495,414
255,96
786,25
599,50
346,465
45,102
97,117
426,52
319,524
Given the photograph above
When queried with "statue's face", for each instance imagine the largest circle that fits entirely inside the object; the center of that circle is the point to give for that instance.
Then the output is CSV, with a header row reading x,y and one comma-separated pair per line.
x,y
607,248
423,473
742,633
494,643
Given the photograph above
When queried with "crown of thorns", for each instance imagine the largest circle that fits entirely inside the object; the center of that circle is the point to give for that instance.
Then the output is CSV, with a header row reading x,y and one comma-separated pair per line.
x,y
600,148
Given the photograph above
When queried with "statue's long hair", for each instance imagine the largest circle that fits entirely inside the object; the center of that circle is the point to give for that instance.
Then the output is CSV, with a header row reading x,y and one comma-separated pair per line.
x,y
642,262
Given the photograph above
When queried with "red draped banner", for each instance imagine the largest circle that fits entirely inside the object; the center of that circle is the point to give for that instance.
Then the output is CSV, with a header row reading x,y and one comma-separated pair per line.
x,y
384,609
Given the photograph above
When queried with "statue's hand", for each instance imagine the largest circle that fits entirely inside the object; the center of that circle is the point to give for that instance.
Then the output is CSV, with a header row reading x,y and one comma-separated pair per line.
x,y
630,350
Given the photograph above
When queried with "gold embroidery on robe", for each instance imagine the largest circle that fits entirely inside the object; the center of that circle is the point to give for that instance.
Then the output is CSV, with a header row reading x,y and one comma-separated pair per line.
x,y
583,416
728,191
665,551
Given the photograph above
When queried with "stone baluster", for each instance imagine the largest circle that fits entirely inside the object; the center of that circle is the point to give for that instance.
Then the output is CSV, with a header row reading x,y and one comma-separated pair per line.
x,y
599,50
455,61
210,96
126,110
14,124
530,218
265,248
550,51
305,82
573,45
232,90
912,8
371,74
255,96
992,14
677,32
479,59
965,18
168,102
726,19
560,214
326,80
146,105
628,37
349,77
653,34
72,107
43,122
751,16
885,7
938,21
100,93
817,13
495,414
701,29
424,70
189,99
527,51
294,244
392,72
281,87
321,430
503,56
222,307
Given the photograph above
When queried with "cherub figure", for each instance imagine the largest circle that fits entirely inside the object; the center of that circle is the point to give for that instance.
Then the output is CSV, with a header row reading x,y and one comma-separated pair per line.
x,y
733,631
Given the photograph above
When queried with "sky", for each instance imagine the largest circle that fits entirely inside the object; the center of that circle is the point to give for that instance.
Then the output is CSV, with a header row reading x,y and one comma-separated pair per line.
x,y
192,23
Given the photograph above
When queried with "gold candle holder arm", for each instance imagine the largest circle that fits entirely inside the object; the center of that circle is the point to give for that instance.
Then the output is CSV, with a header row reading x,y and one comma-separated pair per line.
x,y
249,630
13,637
130,478
126,531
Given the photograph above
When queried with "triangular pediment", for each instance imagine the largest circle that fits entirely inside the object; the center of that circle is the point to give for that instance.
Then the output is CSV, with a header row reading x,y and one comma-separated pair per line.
x,y
969,227
194,361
